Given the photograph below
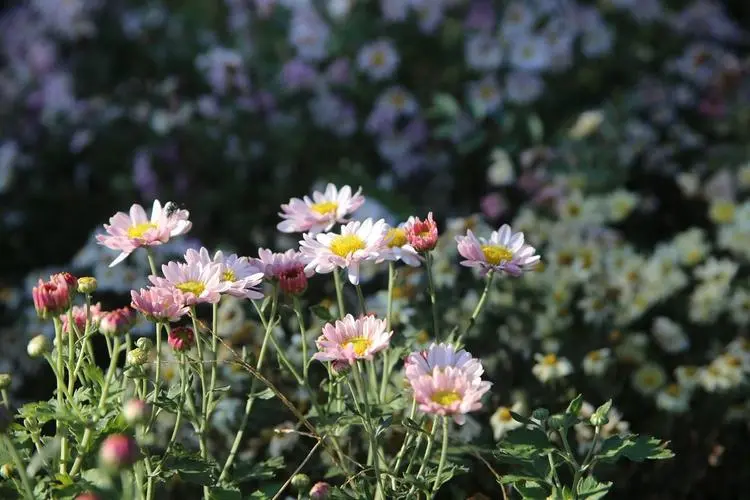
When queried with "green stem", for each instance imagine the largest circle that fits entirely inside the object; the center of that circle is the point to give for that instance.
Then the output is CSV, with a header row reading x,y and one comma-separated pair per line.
x,y
178,418
71,352
388,321
6,398
339,292
433,300
407,439
302,332
25,481
443,454
361,298
60,375
370,429
202,428
87,434
214,348
477,309
427,452
157,374
251,397
586,461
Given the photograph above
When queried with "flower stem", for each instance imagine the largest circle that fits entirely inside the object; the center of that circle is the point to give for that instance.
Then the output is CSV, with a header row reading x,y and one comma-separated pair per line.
x,y
443,453
370,429
586,461
214,347
431,290
361,298
203,427
388,319
427,452
157,375
302,332
60,389
25,481
339,292
477,310
251,397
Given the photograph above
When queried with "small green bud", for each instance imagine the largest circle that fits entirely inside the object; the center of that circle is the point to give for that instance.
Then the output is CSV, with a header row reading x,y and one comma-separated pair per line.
x,y
6,471
301,482
575,406
145,344
540,414
39,346
5,381
137,357
556,421
600,416
87,285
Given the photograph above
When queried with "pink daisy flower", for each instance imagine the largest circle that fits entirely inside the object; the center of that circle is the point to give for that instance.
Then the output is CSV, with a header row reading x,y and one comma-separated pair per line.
x,y
503,251
126,232
321,212
199,284
159,303
450,391
397,247
440,357
351,339
287,268
358,241
241,276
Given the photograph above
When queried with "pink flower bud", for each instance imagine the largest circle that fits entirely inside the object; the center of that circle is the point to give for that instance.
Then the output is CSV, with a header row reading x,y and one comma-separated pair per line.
x,y
293,281
422,234
320,491
52,297
117,322
88,496
136,412
181,338
118,452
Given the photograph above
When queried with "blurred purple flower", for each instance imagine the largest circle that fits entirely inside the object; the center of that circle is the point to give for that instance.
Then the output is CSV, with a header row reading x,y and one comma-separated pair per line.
x,y
481,16
297,74
144,177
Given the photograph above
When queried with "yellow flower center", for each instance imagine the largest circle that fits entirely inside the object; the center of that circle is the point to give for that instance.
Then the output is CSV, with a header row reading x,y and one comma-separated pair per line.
x,y
346,244
733,361
446,398
228,275
594,356
325,207
398,99
139,230
673,390
650,379
194,287
504,414
549,360
377,59
396,237
495,254
722,212
360,344
487,92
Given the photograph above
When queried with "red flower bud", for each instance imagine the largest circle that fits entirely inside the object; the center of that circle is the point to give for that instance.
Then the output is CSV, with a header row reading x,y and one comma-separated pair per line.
x,y
118,452
181,338
53,297
293,281
117,322
422,234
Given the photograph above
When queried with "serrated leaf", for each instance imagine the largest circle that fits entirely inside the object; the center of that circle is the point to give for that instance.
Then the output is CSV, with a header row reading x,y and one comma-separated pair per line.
x,y
225,494
191,468
634,448
523,444
531,490
263,470
591,489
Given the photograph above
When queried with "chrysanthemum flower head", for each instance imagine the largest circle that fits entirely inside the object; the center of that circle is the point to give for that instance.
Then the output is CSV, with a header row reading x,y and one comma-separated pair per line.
x,y
288,269
239,275
422,234
159,303
357,242
349,339
440,357
397,247
53,297
181,338
126,232
449,392
503,251
117,322
321,212
198,283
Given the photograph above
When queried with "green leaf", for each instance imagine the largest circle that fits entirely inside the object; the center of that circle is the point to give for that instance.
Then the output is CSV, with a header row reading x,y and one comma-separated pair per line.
x,y
191,468
514,478
574,407
322,312
265,394
524,445
225,494
263,470
446,105
94,373
591,489
634,448
531,490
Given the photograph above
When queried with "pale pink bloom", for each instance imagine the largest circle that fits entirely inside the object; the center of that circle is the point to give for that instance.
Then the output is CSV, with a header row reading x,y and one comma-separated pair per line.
x,y
351,339
449,392
422,234
358,241
126,232
397,247
442,356
241,275
503,251
159,303
321,212
274,264
198,283
79,317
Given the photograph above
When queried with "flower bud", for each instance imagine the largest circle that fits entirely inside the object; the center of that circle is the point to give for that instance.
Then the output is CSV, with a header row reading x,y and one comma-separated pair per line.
x,y
39,346
7,470
320,491
87,285
145,343
293,281
598,420
136,412
118,452
117,322
181,338
136,357
422,234
5,381
300,481
53,297
88,495
556,421
540,414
